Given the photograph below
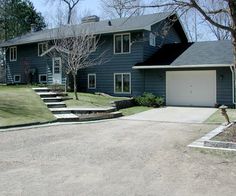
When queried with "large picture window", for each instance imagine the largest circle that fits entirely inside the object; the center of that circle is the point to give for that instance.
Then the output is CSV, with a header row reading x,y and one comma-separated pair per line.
x,y
42,47
13,53
122,43
91,81
122,83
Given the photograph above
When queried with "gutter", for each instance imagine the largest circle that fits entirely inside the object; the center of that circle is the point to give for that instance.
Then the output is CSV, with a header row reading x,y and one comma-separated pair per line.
x,y
233,71
180,66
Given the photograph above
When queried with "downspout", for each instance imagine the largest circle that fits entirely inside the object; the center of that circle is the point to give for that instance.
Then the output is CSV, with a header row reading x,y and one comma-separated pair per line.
x,y
233,71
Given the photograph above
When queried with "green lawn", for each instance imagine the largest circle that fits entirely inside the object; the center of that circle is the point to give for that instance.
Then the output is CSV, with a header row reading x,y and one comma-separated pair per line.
x,y
134,110
218,118
91,100
19,105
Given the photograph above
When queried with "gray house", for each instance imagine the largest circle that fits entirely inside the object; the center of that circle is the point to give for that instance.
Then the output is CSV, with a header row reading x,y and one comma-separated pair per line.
x,y
142,58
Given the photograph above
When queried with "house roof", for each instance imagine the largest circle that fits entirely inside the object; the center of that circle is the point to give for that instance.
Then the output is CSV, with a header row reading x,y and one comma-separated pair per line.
x,y
143,22
198,54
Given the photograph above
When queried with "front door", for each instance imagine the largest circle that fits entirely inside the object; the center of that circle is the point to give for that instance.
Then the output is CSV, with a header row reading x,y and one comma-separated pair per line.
x,y
57,71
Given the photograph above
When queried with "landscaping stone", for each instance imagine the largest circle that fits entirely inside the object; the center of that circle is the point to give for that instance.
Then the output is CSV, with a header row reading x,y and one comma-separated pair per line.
x,y
206,142
220,144
126,103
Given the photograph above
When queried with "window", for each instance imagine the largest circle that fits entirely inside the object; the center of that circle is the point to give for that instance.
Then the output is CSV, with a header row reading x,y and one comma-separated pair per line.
x,y
57,65
122,83
152,39
93,44
91,81
122,43
43,78
42,47
17,78
13,53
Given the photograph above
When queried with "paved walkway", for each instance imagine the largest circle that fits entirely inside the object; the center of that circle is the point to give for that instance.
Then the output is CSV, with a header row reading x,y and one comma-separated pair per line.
x,y
175,114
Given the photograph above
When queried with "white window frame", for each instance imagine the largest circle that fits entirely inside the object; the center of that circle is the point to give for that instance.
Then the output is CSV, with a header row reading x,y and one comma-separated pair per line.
x,y
95,79
19,78
122,85
93,49
152,39
114,43
43,82
11,57
41,45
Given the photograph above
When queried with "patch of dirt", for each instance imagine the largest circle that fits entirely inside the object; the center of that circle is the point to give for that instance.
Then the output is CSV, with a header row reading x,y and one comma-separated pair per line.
x,y
228,135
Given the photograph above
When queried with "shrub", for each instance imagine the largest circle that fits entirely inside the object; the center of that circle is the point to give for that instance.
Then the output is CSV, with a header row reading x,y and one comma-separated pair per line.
x,y
150,100
57,87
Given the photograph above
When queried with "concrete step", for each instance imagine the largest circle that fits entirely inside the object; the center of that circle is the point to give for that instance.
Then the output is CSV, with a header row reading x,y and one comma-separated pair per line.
x,y
66,117
70,117
82,110
55,104
116,114
41,89
51,94
52,99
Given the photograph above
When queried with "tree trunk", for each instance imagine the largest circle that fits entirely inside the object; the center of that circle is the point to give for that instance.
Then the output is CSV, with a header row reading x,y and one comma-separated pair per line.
x,y
69,15
75,87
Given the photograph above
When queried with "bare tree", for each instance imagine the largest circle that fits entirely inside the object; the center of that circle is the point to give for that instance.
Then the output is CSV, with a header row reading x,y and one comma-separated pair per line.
x,y
118,8
219,33
71,4
76,51
207,10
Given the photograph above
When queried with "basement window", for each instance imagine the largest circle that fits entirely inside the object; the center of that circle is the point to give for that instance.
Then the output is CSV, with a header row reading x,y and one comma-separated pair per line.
x,y
42,78
17,78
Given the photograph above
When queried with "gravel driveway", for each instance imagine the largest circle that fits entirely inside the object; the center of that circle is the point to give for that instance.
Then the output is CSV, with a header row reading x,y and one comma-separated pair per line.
x,y
117,157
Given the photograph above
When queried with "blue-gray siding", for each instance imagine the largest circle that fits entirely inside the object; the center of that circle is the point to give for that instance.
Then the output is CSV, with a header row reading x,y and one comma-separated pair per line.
x,y
117,63
27,56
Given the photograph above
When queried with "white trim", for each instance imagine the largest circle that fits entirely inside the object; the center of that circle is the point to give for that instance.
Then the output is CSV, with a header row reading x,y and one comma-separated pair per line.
x,y
122,85
179,66
95,79
10,57
114,41
152,39
54,47
19,78
94,39
41,44
53,63
40,75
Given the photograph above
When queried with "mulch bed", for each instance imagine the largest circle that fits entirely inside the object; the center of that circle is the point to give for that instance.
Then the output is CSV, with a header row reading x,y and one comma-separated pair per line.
x,y
228,135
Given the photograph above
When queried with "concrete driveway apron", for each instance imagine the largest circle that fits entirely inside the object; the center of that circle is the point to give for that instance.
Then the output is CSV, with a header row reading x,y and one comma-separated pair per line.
x,y
175,114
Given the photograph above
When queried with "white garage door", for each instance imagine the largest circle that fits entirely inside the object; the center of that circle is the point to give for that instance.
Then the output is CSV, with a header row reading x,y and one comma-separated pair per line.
x,y
191,88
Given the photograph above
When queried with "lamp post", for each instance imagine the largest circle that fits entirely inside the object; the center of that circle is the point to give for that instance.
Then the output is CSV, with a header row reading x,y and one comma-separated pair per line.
x,y
224,113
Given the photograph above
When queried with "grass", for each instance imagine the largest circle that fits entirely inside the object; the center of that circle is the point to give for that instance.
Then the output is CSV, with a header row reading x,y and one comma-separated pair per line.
x,y
134,110
218,118
91,100
19,105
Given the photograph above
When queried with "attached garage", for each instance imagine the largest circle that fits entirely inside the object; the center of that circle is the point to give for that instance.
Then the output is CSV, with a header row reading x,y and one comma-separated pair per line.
x,y
192,74
191,88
